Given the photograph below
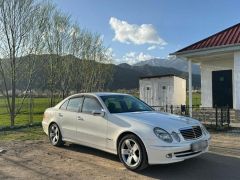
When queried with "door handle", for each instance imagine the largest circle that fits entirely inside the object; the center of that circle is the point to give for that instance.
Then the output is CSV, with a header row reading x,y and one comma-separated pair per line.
x,y
60,115
80,118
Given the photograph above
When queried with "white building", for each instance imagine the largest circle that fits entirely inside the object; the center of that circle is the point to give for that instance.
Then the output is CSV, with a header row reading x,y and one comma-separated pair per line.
x,y
219,59
163,90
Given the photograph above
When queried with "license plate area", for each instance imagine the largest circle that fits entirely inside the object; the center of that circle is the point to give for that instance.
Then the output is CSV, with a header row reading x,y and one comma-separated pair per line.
x,y
199,146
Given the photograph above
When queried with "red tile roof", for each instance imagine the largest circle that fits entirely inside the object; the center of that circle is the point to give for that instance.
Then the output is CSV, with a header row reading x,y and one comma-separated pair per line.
x,y
229,36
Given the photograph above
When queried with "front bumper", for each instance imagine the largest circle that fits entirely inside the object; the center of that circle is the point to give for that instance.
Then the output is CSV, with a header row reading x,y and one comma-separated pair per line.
x,y
45,126
171,154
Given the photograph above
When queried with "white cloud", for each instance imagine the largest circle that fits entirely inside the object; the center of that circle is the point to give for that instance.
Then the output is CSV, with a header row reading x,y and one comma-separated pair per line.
x,y
171,57
110,52
155,47
133,57
151,47
101,37
136,34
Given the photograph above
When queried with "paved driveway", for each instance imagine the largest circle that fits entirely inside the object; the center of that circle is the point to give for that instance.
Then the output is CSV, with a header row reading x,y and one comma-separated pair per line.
x,y
208,166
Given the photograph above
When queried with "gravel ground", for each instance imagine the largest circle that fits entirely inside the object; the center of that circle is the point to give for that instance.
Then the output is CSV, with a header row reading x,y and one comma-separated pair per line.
x,y
39,160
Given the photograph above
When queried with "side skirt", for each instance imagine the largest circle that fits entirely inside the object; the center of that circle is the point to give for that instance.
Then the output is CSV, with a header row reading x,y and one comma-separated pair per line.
x,y
89,145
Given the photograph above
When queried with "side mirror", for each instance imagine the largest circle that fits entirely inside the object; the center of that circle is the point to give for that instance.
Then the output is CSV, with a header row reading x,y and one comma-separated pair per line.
x,y
98,113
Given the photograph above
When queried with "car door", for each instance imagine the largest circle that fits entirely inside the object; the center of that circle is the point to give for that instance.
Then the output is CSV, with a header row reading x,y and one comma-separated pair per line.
x,y
92,123
69,117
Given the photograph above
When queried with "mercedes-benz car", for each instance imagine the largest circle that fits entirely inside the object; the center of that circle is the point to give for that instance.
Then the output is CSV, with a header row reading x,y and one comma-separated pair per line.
x,y
126,126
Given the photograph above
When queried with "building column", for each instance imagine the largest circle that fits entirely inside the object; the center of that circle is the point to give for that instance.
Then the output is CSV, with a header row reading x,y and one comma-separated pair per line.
x,y
236,81
190,86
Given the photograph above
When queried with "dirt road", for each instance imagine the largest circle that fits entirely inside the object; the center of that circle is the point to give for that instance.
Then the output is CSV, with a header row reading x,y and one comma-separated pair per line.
x,y
39,160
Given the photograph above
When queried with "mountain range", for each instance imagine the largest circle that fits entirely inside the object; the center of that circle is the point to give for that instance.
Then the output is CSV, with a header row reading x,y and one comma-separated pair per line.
x,y
172,62
124,76
127,76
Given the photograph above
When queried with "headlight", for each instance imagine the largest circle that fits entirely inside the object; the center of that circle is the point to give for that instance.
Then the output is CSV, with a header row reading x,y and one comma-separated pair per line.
x,y
204,130
176,136
162,134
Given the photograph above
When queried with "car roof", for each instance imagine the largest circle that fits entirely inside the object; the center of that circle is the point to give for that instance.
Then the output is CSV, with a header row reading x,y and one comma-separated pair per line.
x,y
108,93
99,94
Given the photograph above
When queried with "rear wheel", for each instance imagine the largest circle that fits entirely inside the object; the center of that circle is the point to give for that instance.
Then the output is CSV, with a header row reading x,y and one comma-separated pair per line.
x,y
55,135
132,153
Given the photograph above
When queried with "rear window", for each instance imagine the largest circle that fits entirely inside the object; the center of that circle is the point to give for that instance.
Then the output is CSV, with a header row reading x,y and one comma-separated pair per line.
x,y
64,105
75,104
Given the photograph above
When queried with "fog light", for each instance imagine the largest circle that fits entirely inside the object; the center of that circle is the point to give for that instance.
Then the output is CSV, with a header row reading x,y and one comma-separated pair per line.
x,y
169,155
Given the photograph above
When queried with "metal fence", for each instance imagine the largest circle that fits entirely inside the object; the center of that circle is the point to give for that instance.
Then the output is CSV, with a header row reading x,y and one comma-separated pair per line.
x,y
218,118
31,112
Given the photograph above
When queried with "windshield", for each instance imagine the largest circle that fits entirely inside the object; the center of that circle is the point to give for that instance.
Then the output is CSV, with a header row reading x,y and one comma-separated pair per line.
x,y
124,103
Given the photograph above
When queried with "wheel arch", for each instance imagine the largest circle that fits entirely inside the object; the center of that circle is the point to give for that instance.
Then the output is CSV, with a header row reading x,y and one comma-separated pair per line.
x,y
53,122
131,133
127,133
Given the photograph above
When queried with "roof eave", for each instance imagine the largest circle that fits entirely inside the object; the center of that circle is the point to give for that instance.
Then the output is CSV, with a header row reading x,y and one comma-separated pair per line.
x,y
205,51
161,76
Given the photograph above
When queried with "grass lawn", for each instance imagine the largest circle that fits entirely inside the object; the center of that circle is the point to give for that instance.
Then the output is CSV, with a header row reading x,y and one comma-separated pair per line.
x,y
196,98
40,104
32,133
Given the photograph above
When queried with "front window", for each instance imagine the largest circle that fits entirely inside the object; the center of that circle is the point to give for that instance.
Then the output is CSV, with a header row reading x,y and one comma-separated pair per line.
x,y
124,103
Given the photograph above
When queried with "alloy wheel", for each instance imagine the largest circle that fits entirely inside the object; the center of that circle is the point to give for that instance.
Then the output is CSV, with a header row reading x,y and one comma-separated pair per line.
x,y
54,134
130,152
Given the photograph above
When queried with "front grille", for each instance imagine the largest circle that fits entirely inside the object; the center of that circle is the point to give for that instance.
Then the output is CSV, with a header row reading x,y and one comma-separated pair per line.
x,y
194,132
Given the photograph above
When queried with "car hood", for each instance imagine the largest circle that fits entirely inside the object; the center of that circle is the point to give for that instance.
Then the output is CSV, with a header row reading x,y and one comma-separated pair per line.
x,y
159,119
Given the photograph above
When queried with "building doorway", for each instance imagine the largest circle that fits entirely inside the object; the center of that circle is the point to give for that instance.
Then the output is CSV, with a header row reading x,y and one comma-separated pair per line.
x,y
222,88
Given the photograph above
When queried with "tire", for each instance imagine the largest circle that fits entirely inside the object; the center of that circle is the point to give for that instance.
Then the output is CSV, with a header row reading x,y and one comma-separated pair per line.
x,y
132,153
55,135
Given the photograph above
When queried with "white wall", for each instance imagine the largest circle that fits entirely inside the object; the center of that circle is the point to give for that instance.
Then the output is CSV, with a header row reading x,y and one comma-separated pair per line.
x,y
174,94
146,96
206,78
236,80
179,95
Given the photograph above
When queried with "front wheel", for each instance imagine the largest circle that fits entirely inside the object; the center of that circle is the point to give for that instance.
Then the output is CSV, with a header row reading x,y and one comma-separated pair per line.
x,y
132,153
55,135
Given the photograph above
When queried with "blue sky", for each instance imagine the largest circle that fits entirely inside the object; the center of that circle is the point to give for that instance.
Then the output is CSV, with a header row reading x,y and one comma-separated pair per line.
x,y
138,30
